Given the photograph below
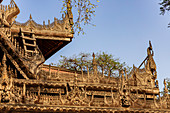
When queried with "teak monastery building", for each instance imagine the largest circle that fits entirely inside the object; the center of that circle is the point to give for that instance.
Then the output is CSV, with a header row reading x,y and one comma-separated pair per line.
x,y
29,86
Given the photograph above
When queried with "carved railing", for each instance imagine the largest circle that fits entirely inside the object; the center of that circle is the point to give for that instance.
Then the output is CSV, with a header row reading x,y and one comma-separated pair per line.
x,y
53,93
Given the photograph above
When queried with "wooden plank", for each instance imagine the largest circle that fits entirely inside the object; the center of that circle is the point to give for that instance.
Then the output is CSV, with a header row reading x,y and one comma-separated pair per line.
x,y
32,45
52,38
28,38
45,33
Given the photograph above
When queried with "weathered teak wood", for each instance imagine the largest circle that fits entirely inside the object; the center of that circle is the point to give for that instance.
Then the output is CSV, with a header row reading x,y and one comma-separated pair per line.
x,y
53,38
30,38
29,86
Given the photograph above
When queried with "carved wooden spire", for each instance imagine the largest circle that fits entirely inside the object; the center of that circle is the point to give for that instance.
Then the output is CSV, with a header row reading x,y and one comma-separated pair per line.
x,y
165,87
94,65
30,17
70,15
55,20
69,12
4,72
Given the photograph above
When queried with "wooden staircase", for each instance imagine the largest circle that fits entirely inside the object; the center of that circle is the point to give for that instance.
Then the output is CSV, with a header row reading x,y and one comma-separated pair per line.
x,y
23,52
29,43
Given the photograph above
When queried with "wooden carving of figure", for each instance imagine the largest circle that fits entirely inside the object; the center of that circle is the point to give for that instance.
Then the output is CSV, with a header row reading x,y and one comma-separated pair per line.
x,y
151,66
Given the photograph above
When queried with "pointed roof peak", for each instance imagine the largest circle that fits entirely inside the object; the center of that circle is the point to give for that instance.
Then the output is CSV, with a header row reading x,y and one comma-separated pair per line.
x,y
30,17
93,55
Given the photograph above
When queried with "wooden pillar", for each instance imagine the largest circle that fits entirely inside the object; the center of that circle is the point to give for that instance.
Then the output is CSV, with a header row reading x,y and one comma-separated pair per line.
x,y
24,89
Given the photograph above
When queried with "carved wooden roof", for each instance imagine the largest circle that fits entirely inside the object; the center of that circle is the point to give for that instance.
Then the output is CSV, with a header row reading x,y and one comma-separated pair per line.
x,y
50,38
26,85
29,43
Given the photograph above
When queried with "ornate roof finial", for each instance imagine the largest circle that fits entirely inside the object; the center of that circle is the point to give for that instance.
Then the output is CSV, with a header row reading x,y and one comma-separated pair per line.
x,y
70,14
94,65
48,22
55,20
93,55
165,89
44,24
150,45
30,17
4,59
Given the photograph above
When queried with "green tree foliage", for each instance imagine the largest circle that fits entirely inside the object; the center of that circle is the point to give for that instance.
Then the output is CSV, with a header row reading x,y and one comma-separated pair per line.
x,y
165,6
83,10
77,63
106,63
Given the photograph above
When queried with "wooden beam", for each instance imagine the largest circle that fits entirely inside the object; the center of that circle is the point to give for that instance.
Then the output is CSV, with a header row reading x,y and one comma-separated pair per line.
x,y
44,32
52,38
